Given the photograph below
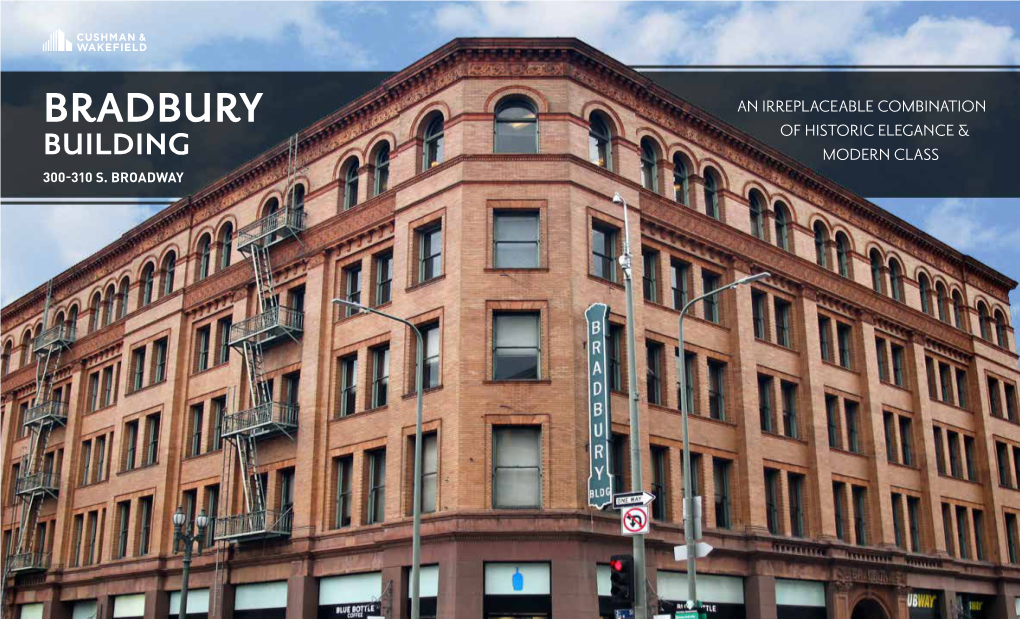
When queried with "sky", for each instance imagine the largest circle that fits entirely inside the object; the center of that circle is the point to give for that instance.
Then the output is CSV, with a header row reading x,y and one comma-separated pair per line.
x,y
37,242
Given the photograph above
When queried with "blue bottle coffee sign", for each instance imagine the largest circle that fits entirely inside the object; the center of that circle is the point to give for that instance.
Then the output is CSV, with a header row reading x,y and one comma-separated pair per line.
x,y
600,482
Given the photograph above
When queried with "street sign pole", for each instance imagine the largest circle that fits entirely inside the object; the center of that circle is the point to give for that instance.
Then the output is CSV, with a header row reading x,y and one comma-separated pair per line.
x,y
600,482
640,607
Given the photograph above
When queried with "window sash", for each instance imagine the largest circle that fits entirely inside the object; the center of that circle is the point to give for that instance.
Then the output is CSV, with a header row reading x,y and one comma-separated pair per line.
x,y
431,254
380,376
344,467
384,279
517,467
516,240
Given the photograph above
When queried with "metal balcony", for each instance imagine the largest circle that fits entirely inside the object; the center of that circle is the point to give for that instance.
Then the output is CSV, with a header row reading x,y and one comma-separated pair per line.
x,y
29,562
271,229
53,411
263,421
55,338
269,327
254,526
37,483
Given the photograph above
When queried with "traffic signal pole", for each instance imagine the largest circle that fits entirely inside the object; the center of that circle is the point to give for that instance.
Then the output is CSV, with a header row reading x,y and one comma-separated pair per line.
x,y
640,606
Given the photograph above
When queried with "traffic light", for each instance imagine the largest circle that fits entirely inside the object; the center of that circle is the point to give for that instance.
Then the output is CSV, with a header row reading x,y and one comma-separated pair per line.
x,y
621,579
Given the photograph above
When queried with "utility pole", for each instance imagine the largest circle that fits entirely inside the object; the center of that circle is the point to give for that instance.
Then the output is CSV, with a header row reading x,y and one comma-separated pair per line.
x,y
640,605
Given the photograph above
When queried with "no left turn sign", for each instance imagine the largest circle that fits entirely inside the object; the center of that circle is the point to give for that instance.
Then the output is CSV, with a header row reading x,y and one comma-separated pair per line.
x,y
634,520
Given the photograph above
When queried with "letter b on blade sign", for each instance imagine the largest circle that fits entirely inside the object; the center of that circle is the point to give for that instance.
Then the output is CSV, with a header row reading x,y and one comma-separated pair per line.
x,y
600,482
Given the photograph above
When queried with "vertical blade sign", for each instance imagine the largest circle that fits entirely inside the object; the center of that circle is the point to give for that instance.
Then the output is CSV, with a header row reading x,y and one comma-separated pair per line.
x,y
600,482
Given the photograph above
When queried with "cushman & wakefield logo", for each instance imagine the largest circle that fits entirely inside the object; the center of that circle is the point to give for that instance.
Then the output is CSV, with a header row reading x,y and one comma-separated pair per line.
x,y
96,42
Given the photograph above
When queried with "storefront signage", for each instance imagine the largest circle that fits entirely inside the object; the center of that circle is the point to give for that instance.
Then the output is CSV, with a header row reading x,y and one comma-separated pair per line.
x,y
354,611
600,482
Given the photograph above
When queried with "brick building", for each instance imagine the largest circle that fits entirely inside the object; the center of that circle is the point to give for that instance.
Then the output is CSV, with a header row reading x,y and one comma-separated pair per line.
x,y
856,433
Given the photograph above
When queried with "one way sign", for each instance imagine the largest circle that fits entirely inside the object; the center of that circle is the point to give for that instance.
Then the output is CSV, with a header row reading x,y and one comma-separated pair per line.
x,y
701,549
626,499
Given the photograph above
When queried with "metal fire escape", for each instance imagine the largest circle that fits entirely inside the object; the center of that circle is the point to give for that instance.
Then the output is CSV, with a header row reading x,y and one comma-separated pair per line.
x,y
37,481
272,324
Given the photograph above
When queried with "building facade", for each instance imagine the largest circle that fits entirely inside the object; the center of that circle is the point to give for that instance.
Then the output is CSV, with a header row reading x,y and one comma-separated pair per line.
x,y
855,435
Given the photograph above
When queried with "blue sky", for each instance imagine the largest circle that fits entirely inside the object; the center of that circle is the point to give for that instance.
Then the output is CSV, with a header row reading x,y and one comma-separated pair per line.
x,y
38,242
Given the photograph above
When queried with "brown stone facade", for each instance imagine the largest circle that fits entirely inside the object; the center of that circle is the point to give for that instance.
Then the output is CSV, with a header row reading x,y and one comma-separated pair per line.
x,y
863,442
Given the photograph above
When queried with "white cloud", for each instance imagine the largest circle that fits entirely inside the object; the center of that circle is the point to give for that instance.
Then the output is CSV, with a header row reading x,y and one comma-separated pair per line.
x,y
932,40
964,225
172,29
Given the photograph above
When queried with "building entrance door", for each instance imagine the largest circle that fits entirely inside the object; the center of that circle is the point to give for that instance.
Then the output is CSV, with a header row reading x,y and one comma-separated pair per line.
x,y
869,609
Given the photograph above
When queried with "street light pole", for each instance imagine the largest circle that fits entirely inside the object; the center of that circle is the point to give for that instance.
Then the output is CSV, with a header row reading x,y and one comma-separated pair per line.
x,y
416,507
626,264
188,539
689,499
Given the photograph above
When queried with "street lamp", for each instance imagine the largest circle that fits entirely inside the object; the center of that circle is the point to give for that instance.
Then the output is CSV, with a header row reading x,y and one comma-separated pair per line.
x,y
626,264
416,534
187,538
681,370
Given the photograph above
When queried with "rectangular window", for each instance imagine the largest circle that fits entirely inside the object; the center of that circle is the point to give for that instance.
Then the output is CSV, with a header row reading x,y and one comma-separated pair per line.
x,y
659,472
758,299
92,538
100,459
1012,538
717,389
994,403
940,458
825,337
772,500
695,473
79,536
603,251
883,364
897,366
130,444
832,419
108,393
430,334
152,439
680,280
1002,459
765,402
291,388
946,382
968,456
197,415
914,520
888,422
348,385
843,332
789,391
721,479
1011,404
144,525
614,355
352,287
852,438
376,486
906,441
515,240
380,375
796,482
979,536
617,462
653,383
223,349
1016,463
783,309
212,502
860,515
286,498
929,369
430,253
86,463
947,528
839,507
383,278
344,470
137,368
219,407
709,282
897,506
517,467
93,393
650,274
202,337
954,453
961,388
123,518
961,532
159,349
429,471
689,361
516,346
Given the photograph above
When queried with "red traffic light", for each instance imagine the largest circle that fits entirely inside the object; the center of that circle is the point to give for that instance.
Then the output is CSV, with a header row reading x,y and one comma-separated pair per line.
x,y
616,565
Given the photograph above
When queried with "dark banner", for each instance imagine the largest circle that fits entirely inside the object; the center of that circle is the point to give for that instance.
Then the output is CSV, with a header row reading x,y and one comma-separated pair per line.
x,y
167,134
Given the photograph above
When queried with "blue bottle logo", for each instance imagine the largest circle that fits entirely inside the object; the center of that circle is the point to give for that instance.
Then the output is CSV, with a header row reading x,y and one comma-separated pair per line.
x,y
518,580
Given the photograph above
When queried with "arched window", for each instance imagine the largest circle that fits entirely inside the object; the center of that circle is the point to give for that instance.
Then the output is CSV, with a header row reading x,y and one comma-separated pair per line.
x,y
58,320
924,285
843,254
148,283
204,256
122,297
169,269
26,345
1000,329
895,280
434,137
821,239
600,146
942,299
96,309
296,197
958,309
985,321
109,302
876,270
711,193
782,226
72,317
757,207
649,158
6,361
351,184
226,244
680,180
516,129
268,221
382,169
